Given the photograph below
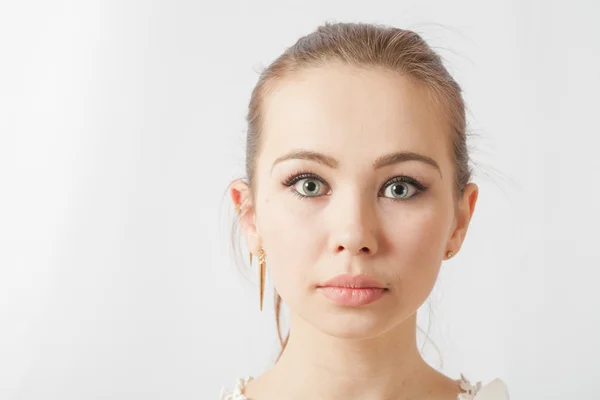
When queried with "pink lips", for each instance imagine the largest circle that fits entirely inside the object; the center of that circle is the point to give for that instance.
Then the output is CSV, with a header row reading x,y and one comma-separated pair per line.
x,y
347,290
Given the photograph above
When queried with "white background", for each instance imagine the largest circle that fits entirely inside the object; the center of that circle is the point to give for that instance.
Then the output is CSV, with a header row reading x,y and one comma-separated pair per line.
x,y
122,123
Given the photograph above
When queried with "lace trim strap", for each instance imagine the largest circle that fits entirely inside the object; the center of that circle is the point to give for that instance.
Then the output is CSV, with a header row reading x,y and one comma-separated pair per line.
x,y
238,390
470,390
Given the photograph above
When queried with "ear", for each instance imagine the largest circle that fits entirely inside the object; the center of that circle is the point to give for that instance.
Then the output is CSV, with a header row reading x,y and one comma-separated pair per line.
x,y
242,199
465,210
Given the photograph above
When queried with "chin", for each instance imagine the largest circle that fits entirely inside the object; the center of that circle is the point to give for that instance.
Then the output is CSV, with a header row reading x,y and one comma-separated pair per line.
x,y
352,323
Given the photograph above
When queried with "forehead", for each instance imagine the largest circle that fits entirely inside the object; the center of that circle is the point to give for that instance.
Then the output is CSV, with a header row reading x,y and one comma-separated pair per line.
x,y
353,114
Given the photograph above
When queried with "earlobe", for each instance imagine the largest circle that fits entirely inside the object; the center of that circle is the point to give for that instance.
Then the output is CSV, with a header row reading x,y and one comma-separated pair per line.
x,y
251,233
253,242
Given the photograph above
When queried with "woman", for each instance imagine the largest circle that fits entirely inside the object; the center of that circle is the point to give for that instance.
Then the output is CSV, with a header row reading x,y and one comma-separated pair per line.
x,y
357,189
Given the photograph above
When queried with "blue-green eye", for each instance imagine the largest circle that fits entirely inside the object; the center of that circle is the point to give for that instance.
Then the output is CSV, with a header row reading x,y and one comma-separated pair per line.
x,y
402,188
309,187
306,185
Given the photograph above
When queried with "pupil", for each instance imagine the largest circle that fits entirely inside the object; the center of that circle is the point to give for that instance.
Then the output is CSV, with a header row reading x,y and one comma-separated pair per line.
x,y
400,191
310,186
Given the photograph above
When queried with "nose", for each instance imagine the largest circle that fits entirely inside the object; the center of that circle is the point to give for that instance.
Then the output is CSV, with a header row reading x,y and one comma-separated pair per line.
x,y
353,225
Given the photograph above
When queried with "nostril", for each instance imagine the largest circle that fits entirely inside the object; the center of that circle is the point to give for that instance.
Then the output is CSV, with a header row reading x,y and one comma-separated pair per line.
x,y
362,250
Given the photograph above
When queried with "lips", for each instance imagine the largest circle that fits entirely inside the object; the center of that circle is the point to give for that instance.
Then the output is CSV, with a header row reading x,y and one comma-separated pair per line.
x,y
353,291
354,282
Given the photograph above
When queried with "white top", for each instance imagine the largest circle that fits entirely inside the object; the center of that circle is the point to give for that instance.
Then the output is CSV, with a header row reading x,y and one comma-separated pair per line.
x,y
494,390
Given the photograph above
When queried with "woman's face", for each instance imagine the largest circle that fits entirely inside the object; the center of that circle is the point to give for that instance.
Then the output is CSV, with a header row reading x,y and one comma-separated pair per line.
x,y
339,190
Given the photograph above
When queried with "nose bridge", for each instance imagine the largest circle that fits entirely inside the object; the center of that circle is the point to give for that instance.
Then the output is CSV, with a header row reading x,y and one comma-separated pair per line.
x,y
353,225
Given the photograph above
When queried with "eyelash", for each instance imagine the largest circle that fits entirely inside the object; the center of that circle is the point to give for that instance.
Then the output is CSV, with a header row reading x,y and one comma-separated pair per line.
x,y
295,177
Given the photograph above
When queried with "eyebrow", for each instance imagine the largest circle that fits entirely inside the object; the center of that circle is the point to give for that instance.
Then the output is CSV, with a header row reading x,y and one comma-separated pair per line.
x,y
380,162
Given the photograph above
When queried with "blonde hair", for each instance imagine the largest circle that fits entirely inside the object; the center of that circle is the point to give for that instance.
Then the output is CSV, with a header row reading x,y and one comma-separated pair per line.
x,y
366,46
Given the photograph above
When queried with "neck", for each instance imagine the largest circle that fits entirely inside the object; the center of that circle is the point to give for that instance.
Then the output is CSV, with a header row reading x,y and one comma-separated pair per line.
x,y
317,365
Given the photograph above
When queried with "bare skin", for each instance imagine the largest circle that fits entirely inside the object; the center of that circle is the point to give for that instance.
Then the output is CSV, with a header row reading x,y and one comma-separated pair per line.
x,y
353,221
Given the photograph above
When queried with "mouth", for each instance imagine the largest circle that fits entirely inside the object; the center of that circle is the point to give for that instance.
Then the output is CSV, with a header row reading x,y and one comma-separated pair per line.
x,y
354,282
352,296
353,290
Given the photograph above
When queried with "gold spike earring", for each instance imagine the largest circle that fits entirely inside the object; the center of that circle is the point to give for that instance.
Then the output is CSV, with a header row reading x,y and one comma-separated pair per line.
x,y
262,266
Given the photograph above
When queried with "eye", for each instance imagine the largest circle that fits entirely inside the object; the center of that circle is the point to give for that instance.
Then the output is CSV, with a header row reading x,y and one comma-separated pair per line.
x,y
309,187
306,185
402,188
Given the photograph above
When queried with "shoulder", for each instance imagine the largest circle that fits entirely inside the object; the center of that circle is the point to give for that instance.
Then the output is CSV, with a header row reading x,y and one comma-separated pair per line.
x,y
496,389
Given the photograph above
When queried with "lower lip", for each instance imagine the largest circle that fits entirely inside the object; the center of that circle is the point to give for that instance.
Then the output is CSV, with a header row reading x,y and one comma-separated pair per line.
x,y
352,296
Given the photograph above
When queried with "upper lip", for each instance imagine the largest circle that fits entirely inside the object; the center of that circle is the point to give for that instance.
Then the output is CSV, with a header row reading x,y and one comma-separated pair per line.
x,y
354,281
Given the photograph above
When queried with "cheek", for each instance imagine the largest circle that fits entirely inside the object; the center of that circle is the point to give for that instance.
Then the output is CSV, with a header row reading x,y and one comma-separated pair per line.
x,y
287,227
419,234
292,241
416,242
